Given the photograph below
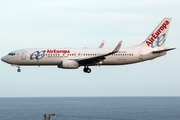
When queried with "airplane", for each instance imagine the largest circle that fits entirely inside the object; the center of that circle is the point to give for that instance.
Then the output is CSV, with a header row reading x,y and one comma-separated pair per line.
x,y
70,58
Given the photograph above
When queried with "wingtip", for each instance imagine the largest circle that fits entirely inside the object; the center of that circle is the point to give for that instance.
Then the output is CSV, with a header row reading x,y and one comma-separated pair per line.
x,y
121,42
102,44
118,47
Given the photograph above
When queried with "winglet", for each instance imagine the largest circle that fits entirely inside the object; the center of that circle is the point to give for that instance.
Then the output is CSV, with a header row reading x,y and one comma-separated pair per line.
x,y
117,47
102,44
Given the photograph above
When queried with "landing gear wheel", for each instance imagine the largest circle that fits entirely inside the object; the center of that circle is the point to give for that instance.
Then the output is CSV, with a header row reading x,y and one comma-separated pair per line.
x,y
19,70
87,70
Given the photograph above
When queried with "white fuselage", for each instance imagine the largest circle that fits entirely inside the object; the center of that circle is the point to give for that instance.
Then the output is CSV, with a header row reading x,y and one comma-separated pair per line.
x,y
55,56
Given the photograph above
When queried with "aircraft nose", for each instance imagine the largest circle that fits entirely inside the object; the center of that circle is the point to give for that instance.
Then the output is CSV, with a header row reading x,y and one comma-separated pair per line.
x,y
3,59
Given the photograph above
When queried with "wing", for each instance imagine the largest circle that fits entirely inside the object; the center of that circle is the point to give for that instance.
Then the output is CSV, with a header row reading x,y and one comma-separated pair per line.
x,y
96,59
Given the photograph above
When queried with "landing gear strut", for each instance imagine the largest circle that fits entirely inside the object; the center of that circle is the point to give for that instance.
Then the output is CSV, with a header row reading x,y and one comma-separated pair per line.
x,y
86,69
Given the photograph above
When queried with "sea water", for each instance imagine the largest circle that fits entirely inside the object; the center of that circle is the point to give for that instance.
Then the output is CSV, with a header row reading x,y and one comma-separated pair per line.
x,y
91,108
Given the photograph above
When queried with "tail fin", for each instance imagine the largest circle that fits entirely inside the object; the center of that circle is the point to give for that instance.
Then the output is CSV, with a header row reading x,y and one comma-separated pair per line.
x,y
156,40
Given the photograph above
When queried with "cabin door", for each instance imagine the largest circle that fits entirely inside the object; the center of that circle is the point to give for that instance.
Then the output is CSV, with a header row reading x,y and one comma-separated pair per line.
x,y
140,55
23,55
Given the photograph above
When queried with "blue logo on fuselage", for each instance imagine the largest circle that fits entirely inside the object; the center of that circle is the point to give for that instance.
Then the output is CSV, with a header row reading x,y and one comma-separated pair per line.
x,y
37,55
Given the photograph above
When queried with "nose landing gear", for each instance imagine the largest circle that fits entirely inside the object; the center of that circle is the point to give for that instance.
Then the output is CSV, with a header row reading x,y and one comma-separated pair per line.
x,y
86,69
19,70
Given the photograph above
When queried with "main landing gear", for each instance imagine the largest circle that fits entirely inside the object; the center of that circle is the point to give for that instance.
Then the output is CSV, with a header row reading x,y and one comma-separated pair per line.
x,y
86,69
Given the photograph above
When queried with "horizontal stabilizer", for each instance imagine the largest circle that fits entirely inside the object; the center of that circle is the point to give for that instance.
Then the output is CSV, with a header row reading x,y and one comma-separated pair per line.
x,y
164,50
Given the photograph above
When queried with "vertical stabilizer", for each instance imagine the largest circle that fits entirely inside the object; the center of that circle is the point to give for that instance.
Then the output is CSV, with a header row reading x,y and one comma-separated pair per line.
x,y
156,40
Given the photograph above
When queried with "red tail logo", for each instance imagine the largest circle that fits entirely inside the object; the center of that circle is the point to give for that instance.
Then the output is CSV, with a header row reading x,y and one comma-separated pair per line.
x,y
153,36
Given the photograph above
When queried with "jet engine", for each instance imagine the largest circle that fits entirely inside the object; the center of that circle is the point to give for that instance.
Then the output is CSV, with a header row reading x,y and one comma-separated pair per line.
x,y
69,64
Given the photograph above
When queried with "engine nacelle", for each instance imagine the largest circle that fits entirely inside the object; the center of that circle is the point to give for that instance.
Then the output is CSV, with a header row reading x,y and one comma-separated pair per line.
x,y
69,64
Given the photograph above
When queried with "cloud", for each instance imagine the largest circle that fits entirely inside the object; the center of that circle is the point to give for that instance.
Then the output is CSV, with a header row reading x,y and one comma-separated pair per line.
x,y
100,4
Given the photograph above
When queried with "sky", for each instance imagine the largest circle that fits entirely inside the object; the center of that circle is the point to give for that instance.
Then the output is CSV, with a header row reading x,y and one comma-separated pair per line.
x,y
78,24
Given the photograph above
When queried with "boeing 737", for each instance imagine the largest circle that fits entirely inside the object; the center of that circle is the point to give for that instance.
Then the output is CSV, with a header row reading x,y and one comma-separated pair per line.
x,y
71,58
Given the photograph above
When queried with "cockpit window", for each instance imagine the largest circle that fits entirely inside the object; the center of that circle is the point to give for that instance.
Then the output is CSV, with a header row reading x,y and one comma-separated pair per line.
x,y
11,54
